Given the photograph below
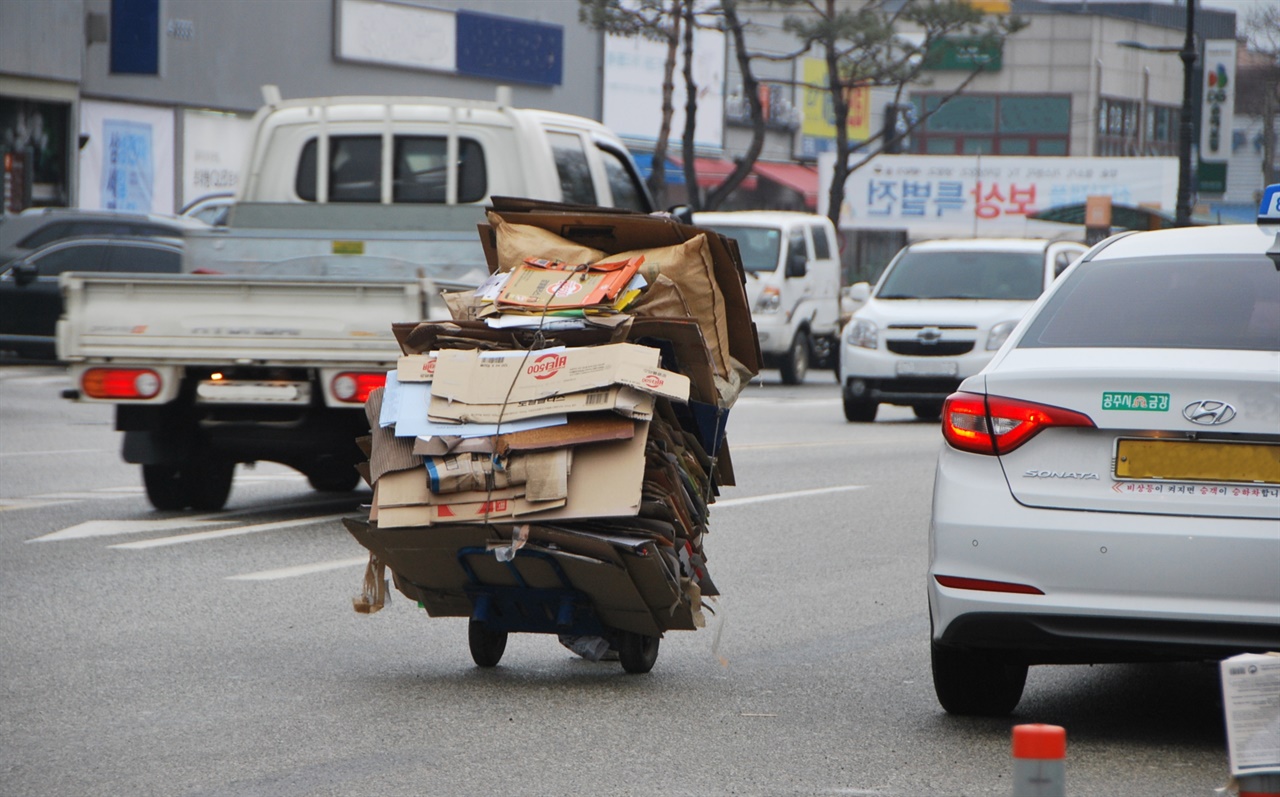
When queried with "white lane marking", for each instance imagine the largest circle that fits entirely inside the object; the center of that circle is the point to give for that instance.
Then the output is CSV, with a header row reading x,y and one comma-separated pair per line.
x,y
54,453
300,570
755,499
202,536
108,528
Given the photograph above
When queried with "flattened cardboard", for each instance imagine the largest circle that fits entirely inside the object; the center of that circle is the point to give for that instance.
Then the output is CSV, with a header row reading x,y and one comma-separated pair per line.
x,y
476,512
387,453
415,367
617,233
493,378
410,488
625,401
580,430
553,285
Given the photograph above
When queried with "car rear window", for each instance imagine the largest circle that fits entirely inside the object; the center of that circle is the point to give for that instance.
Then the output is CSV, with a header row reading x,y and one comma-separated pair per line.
x,y
1192,302
419,172
1012,276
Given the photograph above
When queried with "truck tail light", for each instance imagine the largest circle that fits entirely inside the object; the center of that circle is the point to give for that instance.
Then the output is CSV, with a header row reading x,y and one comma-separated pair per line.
x,y
120,383
997,425
354,387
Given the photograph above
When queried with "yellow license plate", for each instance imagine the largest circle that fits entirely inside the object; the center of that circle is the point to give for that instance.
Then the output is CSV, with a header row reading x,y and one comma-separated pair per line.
x,y
1198,461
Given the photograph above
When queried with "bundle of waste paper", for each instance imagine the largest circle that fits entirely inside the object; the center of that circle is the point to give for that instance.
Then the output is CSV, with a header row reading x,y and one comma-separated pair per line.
x,y
545,460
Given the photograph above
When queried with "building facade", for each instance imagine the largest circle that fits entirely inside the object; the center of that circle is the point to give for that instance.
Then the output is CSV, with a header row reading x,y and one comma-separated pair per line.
x,y
145,103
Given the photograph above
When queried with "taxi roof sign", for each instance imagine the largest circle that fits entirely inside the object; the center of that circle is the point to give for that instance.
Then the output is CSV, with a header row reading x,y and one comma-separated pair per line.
x,y
1269,209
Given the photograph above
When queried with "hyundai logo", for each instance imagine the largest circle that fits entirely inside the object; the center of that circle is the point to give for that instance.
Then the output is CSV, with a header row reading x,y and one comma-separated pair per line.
x,y
1209,412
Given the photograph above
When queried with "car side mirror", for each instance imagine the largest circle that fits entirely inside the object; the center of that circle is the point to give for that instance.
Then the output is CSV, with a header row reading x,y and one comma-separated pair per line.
x,y
797,263
24,273
859,291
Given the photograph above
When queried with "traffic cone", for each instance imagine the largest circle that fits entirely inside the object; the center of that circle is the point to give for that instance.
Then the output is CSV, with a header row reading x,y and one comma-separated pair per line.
x,y
1263,784
1039,765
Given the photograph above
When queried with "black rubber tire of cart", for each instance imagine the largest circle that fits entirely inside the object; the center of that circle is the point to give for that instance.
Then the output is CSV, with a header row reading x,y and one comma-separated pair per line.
x,y
487,645
637,652
333,479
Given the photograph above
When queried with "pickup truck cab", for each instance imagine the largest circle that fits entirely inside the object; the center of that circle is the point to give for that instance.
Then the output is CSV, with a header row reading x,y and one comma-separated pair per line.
x,y
938,314
792,266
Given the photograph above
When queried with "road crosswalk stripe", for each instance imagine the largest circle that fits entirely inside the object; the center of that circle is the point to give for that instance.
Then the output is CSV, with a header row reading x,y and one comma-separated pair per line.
x,y
201,536
300,570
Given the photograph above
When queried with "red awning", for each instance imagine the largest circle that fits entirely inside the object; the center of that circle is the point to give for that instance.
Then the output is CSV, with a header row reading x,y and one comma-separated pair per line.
x,y
794,176
712,172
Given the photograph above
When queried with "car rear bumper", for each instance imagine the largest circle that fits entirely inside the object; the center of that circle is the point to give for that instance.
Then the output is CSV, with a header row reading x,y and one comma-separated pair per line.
x,y
1115,586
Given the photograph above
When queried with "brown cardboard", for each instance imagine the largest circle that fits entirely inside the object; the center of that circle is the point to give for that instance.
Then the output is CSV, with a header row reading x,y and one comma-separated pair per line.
x,y
475,512
580,430
625,401
423,337
410,488
543,284
476,378
415,367
621,233
387,453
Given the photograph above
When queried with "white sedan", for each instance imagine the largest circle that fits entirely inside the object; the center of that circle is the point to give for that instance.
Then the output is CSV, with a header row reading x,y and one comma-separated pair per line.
x,y
1109,490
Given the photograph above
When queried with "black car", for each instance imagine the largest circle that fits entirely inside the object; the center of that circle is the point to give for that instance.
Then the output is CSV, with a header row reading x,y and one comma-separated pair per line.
x,y
30,298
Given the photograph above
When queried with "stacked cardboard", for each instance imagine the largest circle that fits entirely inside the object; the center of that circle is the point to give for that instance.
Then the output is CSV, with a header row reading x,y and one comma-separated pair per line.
x,y
565,431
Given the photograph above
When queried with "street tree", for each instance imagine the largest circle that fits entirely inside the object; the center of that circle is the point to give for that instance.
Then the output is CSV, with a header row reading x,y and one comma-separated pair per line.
x,y
655,20
883,43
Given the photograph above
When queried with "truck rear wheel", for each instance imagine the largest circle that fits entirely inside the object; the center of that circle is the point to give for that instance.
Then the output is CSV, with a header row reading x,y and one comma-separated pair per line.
x,y
201,483
334,479
795,363
166,489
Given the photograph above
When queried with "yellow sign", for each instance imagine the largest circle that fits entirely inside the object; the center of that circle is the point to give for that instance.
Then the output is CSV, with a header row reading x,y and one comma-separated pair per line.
x,y
819,118
348,247
991,6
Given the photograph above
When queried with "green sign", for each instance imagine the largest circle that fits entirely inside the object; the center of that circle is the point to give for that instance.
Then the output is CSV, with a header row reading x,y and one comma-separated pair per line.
x,y
964,55
1138,402
1211,177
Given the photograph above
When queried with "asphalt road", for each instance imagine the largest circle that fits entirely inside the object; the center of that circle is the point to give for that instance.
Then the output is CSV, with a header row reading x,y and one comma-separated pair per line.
x,y
149,653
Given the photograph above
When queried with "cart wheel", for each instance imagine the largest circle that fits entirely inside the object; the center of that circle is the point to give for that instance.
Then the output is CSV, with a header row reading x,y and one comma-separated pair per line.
x,y
486,645
637,652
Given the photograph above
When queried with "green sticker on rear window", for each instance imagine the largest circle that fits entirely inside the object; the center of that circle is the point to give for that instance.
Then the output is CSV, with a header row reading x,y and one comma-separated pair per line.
x,y
1140,402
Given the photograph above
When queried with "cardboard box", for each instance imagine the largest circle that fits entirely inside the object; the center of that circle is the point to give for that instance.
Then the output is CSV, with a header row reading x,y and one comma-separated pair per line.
x,y
615,233
495,377
549,285
1251,703
625,401
416,367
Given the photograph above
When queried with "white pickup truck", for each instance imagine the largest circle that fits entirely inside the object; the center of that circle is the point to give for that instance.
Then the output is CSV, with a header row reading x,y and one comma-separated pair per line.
x,y
267,348
792,263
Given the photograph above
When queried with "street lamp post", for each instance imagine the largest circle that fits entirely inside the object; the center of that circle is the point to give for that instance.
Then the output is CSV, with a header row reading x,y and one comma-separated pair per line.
x,y
1187,123
1186,127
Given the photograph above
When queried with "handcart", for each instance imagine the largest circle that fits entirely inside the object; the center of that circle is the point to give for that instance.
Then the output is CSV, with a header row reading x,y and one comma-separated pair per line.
x,y
498,610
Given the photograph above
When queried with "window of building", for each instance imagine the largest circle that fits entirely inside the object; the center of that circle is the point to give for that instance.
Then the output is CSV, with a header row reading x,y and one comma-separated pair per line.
x,y
992,124
1124,130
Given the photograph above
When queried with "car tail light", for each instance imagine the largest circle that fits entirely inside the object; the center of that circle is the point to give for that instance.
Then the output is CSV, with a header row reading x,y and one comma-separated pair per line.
x,y
997,425
354,387
956,582
120,383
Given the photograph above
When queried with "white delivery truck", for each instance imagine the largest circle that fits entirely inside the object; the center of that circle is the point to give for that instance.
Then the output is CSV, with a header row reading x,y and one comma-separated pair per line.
x,y
792,263
354,213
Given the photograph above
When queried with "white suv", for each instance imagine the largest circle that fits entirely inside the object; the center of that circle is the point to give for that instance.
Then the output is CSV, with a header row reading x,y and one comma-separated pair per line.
x,y
938,314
